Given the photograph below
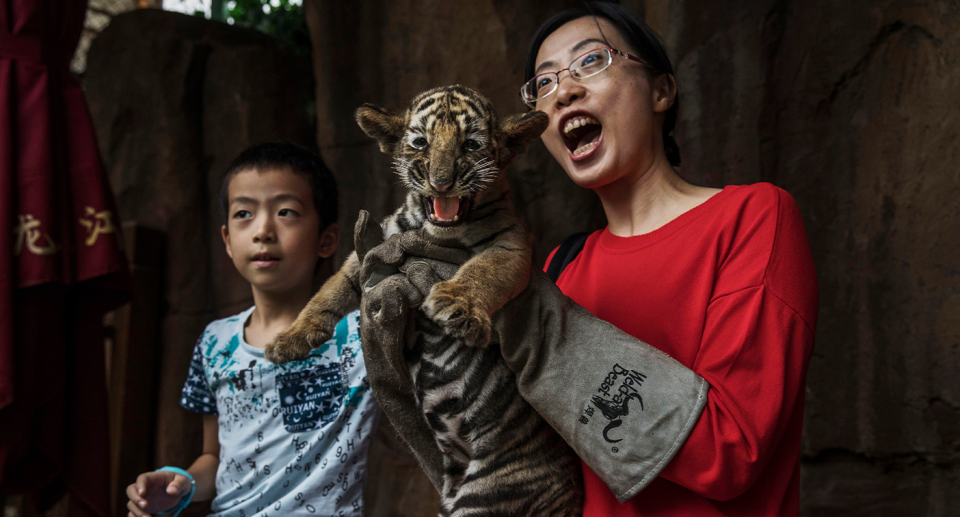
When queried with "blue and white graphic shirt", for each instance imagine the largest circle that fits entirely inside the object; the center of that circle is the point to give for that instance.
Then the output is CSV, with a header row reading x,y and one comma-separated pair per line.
x,y
293,437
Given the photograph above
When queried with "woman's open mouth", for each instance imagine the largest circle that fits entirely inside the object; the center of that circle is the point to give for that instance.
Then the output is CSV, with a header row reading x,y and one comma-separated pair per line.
x,y
582,135
446,210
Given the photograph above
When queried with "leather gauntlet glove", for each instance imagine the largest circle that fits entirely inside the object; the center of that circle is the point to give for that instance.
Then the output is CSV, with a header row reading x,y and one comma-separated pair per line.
x,y
394,285
624,406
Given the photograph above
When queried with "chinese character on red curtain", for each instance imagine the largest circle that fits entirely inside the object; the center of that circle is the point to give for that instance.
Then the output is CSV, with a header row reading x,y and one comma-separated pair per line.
x,y
61,265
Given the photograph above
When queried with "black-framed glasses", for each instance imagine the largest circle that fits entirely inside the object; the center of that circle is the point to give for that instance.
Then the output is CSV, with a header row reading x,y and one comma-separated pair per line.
x,y
585,65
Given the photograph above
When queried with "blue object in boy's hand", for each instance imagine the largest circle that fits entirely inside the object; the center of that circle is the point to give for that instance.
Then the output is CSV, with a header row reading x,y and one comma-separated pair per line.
x,y
186,499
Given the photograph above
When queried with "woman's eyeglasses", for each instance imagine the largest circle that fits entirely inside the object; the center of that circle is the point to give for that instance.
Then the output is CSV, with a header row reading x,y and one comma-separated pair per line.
x,y
586,65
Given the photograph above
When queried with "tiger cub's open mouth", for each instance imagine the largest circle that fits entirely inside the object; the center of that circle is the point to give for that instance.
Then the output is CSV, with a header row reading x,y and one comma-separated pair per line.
x,y
446,210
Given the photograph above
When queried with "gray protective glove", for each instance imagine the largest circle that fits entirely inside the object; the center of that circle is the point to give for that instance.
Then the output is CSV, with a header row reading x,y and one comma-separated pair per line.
x,y
394,286
624,406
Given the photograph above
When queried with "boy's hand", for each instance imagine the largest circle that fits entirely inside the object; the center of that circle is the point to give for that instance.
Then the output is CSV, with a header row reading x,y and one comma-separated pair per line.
x,y
156,492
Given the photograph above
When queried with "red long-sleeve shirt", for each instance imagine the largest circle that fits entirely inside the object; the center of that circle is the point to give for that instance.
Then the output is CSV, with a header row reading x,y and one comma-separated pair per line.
x,y
729,290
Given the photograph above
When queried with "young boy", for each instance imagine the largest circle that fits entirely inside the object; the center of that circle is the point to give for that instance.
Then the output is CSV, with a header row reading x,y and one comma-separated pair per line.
x,y
285,439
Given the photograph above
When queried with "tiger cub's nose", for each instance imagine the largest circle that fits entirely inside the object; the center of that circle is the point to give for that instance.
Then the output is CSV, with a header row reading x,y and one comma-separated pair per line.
x,y
441,185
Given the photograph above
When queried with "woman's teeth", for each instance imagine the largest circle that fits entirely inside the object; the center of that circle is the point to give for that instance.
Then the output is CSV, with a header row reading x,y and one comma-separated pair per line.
x,y
578,122
580,150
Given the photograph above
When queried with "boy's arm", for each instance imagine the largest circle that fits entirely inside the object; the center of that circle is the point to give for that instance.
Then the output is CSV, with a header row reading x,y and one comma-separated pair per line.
x,y
161,490
204,468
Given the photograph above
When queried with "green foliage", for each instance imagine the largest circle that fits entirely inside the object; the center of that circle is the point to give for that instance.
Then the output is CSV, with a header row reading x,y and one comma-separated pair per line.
x,y
280,18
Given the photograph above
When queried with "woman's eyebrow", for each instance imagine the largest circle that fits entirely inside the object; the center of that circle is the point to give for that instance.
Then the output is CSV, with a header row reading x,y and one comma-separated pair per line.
x,y
586,42
544,65
573,49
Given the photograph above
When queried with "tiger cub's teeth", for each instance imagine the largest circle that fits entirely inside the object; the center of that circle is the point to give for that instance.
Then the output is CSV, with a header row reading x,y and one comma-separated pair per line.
x,y
434,218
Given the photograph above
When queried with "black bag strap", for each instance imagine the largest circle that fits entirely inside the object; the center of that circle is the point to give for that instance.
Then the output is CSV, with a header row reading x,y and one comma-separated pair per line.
x,y
565,254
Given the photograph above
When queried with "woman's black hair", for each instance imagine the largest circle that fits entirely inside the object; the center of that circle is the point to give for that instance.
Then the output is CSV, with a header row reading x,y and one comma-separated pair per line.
x,y
642,40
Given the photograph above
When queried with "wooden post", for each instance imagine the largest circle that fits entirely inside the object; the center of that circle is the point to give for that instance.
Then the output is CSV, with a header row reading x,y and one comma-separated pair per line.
x,y
133,363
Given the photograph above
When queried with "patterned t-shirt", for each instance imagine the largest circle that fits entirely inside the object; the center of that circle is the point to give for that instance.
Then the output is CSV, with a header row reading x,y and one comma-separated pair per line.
x,y
293,437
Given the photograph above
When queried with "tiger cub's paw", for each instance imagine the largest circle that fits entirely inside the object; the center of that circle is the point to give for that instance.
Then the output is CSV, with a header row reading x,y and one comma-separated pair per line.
x,y
451,307
297,341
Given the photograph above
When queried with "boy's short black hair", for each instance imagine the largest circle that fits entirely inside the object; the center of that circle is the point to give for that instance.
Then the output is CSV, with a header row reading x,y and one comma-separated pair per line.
x,y
302,161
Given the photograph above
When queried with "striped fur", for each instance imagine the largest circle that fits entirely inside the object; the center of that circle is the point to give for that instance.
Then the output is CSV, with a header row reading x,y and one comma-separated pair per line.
x,y
500,457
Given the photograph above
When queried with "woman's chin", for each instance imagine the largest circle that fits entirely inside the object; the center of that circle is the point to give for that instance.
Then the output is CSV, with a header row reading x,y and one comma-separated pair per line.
x,y
589,179
588,173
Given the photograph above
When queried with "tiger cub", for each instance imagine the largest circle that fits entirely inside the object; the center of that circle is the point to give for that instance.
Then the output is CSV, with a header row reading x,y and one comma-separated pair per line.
x,y
450,149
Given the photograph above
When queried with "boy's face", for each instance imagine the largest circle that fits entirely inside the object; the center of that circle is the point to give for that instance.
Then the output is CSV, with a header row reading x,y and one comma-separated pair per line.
x,y
273,230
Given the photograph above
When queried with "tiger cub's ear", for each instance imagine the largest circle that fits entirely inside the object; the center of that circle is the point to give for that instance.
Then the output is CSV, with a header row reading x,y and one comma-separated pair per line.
x,y
516,131
384,126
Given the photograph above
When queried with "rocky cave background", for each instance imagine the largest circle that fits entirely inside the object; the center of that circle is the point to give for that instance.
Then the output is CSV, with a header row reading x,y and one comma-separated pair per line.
x,y
852,107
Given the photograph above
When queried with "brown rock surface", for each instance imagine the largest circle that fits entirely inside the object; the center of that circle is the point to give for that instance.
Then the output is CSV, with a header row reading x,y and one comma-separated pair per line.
x,y
174,99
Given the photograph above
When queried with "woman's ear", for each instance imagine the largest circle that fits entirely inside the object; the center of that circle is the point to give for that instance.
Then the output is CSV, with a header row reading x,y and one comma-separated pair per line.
x,y
664,92
384,126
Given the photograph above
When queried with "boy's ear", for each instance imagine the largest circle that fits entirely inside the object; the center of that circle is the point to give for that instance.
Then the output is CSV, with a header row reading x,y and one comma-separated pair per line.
x,y
384,126
226,239
516,131
329,240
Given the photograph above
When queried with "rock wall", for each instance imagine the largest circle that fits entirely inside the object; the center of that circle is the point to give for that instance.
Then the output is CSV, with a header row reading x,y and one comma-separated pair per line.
x,y
853,108
174,99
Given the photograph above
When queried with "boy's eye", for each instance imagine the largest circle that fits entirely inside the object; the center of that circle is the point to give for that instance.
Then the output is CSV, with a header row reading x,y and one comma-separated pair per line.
x,y
284,212
242,214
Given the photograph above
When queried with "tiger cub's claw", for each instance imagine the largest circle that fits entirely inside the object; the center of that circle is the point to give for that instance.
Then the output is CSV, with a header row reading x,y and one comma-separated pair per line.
x,y
296,342
451,307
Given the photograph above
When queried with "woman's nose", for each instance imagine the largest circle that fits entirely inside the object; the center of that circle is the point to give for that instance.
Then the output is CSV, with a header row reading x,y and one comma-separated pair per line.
x,y
568,89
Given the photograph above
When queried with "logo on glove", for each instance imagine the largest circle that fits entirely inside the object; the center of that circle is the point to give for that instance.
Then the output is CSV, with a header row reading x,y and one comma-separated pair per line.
x,y
615,404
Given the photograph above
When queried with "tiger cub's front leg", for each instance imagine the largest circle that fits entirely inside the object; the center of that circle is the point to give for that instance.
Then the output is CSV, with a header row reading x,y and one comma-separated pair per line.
x,y
317,321
464,304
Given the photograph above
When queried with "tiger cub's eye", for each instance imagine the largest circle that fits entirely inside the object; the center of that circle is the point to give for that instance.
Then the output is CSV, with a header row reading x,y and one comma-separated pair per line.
x,y
419,142
472,145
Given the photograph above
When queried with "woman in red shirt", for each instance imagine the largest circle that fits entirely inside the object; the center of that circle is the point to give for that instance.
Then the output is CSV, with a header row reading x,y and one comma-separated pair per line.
x,y
721,280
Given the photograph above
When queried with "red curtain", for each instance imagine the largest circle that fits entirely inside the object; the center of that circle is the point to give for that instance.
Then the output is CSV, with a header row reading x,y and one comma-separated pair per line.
x,y
61,265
